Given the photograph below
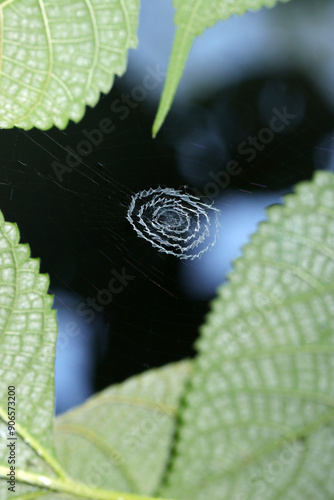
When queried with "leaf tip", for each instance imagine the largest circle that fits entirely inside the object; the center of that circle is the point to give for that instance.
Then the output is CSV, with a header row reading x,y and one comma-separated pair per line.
x,y
156,127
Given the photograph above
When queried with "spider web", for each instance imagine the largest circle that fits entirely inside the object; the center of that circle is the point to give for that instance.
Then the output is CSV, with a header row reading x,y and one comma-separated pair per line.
x,y
78,227
77,223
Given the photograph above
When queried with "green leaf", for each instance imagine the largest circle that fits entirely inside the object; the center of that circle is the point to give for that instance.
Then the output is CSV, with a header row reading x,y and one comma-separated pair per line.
x,y
123,435
258,419
56,57
28,331
192,18
125,432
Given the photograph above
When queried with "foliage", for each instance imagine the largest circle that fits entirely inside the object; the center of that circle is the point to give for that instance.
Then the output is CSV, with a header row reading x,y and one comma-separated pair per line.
x,y
192,18
56,57
258,419
256,415
125,432
252,416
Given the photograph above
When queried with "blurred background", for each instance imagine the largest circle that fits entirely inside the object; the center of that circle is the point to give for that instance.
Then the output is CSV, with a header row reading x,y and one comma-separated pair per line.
x,y
122,306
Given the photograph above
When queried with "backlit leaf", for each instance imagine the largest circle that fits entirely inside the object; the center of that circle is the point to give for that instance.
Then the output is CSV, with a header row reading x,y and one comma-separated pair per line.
x,y
28,331
258,420
56,57
192,18
121,438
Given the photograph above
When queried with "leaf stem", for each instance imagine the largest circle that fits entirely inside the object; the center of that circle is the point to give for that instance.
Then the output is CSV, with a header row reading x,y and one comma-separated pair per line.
x,y
37,447
72,487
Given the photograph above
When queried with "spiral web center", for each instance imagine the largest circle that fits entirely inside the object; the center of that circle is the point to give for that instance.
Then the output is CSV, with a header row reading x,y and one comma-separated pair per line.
x,y
174,222
170,219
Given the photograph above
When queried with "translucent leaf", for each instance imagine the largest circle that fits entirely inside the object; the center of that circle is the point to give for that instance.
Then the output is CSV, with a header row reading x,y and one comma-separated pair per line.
x,y
56,57
191,19
258,419
121,438
118,440
28,332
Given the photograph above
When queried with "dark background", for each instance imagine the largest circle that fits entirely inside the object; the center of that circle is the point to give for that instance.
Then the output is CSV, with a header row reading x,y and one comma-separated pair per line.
x,y
78,227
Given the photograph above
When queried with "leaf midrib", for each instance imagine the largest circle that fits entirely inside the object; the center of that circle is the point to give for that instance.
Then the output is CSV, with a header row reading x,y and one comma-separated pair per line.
x,y
49,71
